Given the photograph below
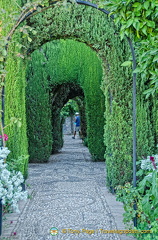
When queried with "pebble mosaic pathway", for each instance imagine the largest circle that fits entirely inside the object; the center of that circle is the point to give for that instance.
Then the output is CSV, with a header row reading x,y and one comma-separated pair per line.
x,y
68,193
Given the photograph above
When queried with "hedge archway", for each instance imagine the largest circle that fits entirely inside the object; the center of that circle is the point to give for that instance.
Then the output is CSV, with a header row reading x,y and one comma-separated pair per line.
x,y
76,71
93,28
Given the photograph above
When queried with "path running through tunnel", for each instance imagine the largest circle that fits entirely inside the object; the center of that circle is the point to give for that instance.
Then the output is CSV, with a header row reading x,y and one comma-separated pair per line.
x,y
69,192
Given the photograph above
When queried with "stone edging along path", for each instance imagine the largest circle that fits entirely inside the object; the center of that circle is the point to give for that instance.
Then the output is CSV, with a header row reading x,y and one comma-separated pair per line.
x,y
68,193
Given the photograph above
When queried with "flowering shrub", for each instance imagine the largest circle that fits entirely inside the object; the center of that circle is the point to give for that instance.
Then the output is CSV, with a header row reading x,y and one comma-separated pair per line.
x,y
150,163
5,136
145,196
4,152
10,184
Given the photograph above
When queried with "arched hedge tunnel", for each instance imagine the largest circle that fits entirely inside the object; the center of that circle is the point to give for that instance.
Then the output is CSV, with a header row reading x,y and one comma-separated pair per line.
x,y
61,95
92,27
76,71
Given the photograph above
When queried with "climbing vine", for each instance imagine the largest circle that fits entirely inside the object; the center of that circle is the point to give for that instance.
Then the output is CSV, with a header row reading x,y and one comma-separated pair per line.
x,y
138,20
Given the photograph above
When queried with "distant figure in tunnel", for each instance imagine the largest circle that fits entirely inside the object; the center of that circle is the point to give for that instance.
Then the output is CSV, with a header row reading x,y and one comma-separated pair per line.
x,y
77,124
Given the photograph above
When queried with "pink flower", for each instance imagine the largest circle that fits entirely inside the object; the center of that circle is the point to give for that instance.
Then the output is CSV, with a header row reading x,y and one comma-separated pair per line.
x,y
152,159
5,137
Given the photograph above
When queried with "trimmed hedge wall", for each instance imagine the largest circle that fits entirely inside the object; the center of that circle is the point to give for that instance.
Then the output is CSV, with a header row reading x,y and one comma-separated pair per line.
x,y
39,127
100,34
118,128
87,25
15,93
65,80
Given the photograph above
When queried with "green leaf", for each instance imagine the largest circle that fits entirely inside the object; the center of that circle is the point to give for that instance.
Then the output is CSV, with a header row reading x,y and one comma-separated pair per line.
x,y
148,92
151,24
1,59
140,172
29,39
137,33
152,72
156,212
4,52
129,23
34,32
136,4
148,12
137,70
19,124
145,199
152,52
155,59
152,4
144,30
137,7
122,34
136,23
117,20
45,2
126,64
111,13
146,5
2,83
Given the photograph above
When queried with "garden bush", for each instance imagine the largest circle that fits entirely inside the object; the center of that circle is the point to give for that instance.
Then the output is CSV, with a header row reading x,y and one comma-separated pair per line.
x,y
145,196
10,184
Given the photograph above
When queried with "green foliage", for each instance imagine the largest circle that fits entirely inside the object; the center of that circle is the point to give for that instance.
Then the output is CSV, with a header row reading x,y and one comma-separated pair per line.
x,y
12,14
138,20
14,91
136,17
148,64
65,80
69,109
118,150
13,65
145,196
57,130
85,141
71,22
118,115
145,137
38,110
99,33
18,164
15,106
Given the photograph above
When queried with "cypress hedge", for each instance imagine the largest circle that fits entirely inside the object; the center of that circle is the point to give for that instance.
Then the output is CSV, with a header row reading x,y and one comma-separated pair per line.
x,y
39,127
15,93
96,30
65,80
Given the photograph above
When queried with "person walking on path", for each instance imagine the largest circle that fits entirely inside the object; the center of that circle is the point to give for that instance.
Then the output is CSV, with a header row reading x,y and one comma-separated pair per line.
x,y
77,124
